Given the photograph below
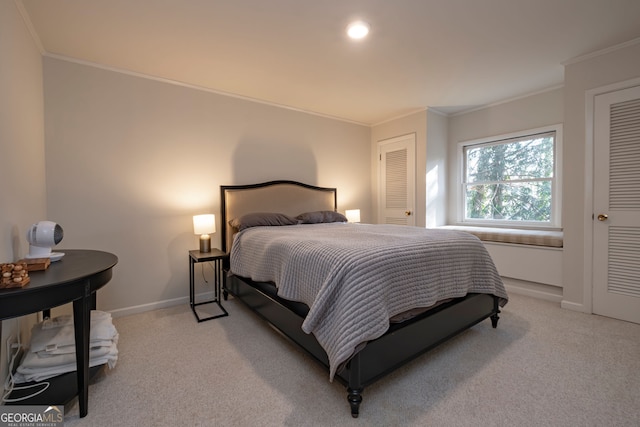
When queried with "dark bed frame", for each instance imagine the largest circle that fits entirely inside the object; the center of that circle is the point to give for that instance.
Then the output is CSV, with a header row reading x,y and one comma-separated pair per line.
x,y
402,343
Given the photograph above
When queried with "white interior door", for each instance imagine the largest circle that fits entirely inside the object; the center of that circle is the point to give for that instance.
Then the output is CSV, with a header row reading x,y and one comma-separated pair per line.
x,y
397,180
616,224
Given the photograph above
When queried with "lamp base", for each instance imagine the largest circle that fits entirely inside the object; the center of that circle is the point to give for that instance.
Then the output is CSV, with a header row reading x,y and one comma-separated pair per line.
x,y
205,243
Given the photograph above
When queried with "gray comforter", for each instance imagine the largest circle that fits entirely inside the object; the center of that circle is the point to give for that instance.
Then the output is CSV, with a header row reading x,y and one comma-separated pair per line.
x,y
355,277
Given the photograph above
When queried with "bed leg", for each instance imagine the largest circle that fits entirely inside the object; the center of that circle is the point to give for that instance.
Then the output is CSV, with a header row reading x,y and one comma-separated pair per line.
x,y
494,319
496,312
354,390
355,398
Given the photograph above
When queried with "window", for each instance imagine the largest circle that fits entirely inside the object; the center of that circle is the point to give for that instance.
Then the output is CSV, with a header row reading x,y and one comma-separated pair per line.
x,y
512,179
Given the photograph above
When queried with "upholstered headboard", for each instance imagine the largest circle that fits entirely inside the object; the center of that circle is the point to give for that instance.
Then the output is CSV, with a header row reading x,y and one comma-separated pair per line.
x,y
287,197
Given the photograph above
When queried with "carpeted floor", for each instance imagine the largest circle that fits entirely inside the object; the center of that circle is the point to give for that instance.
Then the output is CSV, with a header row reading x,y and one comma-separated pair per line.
x,y
542,366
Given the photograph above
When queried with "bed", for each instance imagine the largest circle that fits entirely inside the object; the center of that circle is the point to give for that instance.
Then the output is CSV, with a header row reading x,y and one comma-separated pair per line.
x,y
349,316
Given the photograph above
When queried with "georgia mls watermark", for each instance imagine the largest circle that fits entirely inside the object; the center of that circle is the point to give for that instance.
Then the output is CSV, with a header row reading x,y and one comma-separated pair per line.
x,y
31,416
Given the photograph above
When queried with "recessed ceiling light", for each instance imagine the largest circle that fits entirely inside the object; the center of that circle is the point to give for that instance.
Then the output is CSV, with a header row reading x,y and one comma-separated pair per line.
x,y
358,30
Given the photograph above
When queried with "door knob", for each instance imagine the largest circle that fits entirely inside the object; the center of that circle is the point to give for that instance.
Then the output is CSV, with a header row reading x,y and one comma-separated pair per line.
x,y
603,217
407,213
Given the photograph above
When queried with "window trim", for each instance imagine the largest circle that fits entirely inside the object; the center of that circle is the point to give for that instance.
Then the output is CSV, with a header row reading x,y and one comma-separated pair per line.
x,y
556,187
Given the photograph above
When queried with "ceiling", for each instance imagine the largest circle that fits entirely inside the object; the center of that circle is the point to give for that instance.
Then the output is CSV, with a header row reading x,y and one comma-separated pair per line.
x,y
450,55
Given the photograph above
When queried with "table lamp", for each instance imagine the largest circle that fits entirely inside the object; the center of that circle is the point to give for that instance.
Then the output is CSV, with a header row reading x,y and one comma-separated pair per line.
x,y
204,225
353,215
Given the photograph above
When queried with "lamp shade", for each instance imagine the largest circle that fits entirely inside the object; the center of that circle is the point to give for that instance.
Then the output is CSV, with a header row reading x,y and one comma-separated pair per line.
x,y
353,215
204,224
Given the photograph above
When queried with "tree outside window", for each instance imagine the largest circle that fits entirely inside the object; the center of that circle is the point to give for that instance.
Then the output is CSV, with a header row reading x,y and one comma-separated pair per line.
x,y
510,180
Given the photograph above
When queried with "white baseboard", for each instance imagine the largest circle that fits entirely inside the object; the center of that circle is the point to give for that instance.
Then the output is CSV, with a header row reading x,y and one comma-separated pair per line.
x,y
520,287
531,289
158,305
574,306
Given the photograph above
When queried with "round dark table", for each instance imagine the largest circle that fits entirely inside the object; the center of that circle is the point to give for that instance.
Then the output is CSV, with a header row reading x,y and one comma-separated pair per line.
x,y
75,278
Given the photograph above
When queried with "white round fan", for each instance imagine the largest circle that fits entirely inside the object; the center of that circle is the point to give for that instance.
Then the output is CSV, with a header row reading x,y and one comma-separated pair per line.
x,y
42,236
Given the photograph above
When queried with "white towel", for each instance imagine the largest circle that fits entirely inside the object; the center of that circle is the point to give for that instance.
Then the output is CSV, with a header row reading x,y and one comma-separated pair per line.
x,y
33,361
67,319
32,368
65,349
53,349
61,334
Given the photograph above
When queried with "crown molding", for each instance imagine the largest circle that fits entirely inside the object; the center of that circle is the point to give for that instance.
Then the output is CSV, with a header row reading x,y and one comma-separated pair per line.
x,y
412,112
196,87
27,22
601,52
505,101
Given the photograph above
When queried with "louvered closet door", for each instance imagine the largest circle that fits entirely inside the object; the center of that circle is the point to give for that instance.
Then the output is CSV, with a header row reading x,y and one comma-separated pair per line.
x,y
616,224
397,180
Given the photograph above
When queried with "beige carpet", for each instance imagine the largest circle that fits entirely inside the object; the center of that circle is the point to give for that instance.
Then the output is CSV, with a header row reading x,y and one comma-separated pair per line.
x,y
542,366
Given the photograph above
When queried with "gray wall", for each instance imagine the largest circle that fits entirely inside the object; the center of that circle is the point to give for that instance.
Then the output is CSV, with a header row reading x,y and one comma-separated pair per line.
x,y
130,160
531,112
21,144
436,169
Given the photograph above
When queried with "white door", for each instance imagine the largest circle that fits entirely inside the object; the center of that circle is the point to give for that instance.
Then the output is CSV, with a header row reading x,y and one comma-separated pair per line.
x,y
397,180
616,223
